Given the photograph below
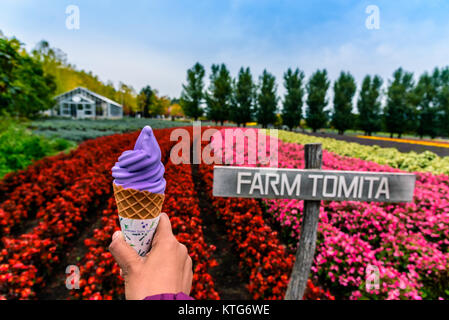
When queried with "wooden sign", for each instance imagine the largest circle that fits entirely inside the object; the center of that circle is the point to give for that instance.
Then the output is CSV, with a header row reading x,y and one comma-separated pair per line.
x,y
250,182
312,185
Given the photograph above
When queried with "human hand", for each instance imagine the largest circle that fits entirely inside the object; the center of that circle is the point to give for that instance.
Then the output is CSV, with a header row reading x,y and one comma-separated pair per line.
x,y
167,268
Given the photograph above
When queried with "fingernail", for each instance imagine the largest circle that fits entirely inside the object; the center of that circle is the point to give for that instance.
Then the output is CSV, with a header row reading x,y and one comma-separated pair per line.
x,y
116,235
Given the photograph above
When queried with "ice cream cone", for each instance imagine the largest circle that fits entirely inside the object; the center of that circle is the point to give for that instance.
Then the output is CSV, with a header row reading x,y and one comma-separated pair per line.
x,y
135,204
139,213
139,187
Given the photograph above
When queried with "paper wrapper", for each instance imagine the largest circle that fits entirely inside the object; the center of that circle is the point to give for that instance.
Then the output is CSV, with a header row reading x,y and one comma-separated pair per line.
x,y
139,233
139,214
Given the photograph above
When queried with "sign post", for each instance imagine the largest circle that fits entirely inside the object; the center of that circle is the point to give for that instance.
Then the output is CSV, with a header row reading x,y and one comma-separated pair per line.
x,y
307,242
311,185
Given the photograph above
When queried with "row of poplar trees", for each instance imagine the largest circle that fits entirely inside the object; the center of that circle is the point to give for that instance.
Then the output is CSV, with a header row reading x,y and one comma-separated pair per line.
x,y
404,106
239,100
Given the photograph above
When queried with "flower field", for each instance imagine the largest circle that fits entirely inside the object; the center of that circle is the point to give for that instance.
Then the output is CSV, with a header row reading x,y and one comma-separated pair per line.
x,y
426,161
64,204
407,242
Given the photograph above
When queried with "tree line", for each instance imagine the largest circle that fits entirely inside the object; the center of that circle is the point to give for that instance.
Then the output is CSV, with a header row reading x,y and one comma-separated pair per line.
x,y
30,80
405,106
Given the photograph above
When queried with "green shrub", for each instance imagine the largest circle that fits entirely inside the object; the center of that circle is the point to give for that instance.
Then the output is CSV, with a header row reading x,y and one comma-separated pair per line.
x,y
19,147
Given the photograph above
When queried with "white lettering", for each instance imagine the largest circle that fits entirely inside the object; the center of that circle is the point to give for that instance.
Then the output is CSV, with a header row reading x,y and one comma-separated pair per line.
x,y
272,183
342,188
361,187
383,188
334,186
240,181
285,184
315,178
257,184
370,186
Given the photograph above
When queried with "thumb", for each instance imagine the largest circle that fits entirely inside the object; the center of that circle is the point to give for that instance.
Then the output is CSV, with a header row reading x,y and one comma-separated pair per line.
x,y
125,256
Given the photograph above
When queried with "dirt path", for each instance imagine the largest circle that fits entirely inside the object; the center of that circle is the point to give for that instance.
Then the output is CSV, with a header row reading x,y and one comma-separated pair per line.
x,y
402,147
227,282
56,288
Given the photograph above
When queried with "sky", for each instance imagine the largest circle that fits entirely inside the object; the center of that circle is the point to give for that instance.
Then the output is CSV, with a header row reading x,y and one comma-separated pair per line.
x,y
154,42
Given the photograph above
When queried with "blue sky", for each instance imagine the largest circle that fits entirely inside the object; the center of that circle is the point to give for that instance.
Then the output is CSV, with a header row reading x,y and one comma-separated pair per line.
x,y
154,42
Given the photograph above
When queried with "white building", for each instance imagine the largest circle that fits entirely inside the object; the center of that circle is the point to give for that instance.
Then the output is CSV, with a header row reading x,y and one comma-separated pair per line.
x,y
82,103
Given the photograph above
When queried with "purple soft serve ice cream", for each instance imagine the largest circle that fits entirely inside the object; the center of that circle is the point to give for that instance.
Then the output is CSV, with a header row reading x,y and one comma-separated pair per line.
x,y
139,174
141,169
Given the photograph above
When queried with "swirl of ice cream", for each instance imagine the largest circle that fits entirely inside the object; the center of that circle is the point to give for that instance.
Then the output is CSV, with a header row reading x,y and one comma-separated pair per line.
x,y
141,169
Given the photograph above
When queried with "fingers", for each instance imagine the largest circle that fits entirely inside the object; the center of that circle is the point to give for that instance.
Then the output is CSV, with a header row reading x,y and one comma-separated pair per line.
x,y
163,230
125,256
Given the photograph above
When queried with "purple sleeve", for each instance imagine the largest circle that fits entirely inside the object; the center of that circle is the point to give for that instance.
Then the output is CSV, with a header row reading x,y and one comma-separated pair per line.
x,y
169,296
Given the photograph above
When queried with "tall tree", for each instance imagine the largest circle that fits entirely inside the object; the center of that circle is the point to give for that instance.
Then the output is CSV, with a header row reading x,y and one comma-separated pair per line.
x,y
175,111
242,106
25,89
10,59
219,94
426,104
192,93
443,102
126,96
266,100
344,90
145,100
160,106
293,100
33,90
369,105
316,116
399,113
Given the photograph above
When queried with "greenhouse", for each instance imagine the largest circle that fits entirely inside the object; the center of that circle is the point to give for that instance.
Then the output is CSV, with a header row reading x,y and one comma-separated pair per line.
x,y
82,103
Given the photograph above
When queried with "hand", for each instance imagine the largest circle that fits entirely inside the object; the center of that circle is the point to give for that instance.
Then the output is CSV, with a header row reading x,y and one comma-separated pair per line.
x,y
167,268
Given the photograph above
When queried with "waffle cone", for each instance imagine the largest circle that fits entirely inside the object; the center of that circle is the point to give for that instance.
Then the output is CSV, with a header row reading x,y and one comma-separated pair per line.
x,y
135,204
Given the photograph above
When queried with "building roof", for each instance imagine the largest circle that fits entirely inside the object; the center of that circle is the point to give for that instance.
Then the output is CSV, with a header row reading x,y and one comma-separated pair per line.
x,y
81,99
99,96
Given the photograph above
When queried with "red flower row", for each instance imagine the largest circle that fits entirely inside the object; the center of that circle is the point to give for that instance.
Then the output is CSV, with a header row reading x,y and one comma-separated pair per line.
x,y
26,192
100,277
182,206
27,260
